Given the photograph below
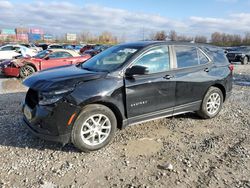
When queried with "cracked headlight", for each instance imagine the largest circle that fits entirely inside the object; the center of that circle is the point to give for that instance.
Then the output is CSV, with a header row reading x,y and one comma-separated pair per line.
x,y
48,98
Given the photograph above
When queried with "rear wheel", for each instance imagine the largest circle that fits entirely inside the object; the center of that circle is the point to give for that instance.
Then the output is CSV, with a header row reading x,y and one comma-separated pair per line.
x,y
244,61
26,71
94,128
211,104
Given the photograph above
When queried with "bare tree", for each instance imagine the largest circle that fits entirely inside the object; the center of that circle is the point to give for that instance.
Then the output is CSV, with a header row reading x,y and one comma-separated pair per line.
x,y
160,36
173,35
200,39
107,37
223,39
246,39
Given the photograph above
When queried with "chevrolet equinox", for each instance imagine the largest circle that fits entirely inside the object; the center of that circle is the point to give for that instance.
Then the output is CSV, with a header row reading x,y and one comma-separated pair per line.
x,y
126,84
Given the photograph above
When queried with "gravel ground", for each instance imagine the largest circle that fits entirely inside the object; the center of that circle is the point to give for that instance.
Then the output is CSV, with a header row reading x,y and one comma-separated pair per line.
x,y
182,151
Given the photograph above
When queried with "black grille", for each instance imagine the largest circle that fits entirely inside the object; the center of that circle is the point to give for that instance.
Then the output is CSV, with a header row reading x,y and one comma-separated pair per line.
x,y
32,98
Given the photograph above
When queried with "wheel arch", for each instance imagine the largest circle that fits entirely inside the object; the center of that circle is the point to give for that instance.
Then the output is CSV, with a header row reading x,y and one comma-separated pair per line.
x,y
113,105
222,88
32,65
248,57
115,110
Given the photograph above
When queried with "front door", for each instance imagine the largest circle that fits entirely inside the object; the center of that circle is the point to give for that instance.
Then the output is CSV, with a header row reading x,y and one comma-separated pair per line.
x,y
153,93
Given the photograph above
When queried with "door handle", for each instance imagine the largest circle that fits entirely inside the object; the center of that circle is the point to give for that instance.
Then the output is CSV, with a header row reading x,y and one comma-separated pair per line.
x,y
168,77
206,70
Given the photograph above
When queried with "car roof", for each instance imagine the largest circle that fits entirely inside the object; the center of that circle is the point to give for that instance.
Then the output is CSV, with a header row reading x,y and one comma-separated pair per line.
x,y
14,45
143,44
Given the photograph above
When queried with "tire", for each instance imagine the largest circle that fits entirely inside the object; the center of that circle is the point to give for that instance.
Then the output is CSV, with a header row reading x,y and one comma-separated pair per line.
x,y
86,134
212,103
26,71
244,61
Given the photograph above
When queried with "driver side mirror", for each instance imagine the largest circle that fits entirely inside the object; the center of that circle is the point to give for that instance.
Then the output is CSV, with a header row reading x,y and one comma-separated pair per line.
x,y
46,58
136,70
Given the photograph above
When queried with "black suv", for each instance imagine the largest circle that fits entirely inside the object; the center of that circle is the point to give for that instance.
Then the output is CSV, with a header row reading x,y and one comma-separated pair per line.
x,y
239,54
124,85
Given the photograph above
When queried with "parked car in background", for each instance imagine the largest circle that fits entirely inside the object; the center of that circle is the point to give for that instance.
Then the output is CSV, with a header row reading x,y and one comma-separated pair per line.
x,y
44,46
74,47
96,50
55,46
11,51
126,84
44,60
33,46
239,54
86,47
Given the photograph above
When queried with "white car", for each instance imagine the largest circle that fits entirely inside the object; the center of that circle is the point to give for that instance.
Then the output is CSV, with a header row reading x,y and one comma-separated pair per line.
x,y
32,46
11,51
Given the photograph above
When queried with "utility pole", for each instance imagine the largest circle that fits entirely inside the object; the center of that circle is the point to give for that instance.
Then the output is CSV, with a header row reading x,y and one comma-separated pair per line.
x,y
143,33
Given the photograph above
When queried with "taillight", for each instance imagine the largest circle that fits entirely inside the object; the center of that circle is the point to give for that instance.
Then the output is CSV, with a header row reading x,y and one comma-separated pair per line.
x,y
231,67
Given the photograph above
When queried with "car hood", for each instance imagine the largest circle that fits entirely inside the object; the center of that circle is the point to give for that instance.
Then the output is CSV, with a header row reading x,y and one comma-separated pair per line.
x,y
60,78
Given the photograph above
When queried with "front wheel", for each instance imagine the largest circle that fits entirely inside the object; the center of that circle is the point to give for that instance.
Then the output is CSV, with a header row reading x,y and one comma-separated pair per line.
x,y
94,128
26,71
211,104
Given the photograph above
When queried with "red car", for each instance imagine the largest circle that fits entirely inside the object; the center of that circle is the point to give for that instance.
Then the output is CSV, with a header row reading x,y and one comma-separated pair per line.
x,y
44,60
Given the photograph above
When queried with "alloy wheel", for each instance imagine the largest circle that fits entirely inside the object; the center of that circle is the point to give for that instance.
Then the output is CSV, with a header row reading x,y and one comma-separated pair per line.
x,y
213,103
27,71
96,130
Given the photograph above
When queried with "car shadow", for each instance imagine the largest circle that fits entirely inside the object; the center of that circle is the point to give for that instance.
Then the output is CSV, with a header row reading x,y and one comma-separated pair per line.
x,y
189,115
13,133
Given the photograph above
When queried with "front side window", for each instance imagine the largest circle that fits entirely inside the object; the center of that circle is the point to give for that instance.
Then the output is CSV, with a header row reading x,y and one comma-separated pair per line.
x,y
64,55
56,55
42,54
155,61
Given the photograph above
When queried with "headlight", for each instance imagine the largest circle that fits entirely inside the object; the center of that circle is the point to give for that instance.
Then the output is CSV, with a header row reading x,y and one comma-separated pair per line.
x,y
47,98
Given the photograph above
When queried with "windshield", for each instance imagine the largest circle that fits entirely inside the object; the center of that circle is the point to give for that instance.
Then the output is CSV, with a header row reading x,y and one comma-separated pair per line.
x,y
42,54
110,59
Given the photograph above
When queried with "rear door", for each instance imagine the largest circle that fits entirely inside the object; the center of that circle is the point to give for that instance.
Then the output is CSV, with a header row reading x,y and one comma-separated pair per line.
x,y
57,59
191,76
147,95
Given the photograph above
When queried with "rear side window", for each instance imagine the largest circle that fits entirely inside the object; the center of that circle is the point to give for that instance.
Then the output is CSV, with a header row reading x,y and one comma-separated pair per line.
x,y
188,56
202,58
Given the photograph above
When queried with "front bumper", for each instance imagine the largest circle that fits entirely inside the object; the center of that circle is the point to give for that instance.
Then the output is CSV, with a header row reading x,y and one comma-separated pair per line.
x,y
51,122
59,138
11,71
